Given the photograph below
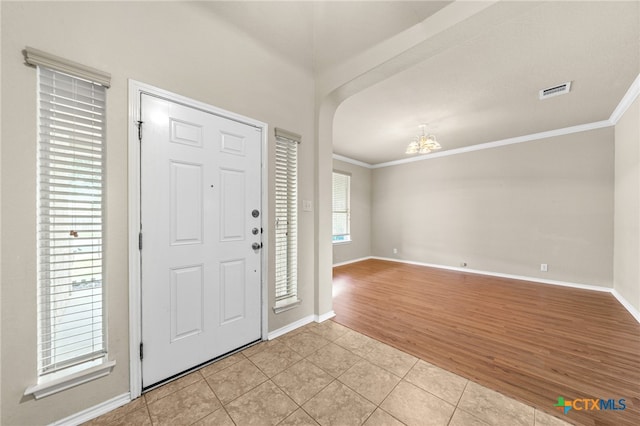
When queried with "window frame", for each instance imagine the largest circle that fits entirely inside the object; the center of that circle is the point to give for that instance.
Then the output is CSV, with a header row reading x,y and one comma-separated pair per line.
x,y
286,220
346,237
71,195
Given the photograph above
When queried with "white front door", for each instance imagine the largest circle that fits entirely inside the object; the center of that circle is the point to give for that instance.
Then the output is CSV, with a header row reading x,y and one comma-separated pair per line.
x,y
200,216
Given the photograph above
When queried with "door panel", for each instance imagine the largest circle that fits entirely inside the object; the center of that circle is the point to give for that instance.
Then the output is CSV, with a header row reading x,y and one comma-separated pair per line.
x,y
232,297
186,203
232,205
187,291
201,283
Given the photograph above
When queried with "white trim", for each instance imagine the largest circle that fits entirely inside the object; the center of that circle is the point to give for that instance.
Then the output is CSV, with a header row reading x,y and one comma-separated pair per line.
x,y
627,100
66,382
503,142
300,323
325,316
290,327
495,144
628,306
501,275
135,299
347,262
630,96
264,199
286,305
352,161
632,310
136,88
95,411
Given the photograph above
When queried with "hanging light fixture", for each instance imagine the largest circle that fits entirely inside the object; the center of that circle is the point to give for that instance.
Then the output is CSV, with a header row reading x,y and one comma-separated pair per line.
x,y
423,143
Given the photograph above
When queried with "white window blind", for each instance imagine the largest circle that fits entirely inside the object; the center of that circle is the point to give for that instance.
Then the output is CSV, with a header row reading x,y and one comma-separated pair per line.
x,y
286,218
341,207
71,155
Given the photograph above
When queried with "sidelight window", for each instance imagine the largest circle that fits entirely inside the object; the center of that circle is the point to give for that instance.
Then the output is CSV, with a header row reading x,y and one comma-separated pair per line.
x,y
70,215
286,220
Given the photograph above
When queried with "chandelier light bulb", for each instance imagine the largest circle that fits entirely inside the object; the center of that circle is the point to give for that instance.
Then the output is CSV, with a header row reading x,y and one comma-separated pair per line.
x,y
423,143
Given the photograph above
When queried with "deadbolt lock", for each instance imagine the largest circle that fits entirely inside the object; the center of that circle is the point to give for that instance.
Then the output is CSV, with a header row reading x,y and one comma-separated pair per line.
x,y
255,213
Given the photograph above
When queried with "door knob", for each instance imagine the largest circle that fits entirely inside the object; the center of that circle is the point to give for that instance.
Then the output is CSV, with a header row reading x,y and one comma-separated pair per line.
x,y
256,246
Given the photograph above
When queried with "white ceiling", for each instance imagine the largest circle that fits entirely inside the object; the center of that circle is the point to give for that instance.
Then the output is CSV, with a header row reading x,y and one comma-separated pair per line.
x,y
478,89
319,34
486,89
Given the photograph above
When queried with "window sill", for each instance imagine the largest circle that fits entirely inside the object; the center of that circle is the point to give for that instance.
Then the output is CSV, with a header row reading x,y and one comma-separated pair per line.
x,y
287,304
337,243
51,385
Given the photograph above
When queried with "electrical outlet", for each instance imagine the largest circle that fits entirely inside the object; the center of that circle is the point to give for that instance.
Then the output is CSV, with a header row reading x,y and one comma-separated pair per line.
x,y
544,267
395,251
307,206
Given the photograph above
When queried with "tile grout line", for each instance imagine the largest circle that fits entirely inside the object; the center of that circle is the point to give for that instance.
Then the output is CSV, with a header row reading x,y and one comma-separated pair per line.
x,y
299,406
455,408
216,396
333,379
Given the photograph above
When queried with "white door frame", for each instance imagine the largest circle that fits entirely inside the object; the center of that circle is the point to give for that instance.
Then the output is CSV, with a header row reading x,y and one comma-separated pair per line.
x,y
137,88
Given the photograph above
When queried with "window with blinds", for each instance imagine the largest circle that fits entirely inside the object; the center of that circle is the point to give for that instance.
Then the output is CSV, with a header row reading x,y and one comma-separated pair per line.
x,y
286,219
341,207
71,156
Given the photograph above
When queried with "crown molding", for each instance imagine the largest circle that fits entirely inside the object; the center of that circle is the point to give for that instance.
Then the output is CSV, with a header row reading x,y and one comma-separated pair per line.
x,y
352,161
503,142
626,101
630,96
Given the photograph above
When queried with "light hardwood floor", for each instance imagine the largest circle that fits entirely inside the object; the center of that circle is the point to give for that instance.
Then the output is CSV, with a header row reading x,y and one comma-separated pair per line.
x,y
529,341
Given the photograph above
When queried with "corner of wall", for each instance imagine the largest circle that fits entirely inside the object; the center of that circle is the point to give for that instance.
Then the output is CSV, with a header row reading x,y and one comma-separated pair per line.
x,y
626,270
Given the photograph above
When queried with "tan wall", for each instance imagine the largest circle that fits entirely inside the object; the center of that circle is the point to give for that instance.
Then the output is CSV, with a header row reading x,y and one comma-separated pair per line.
x,y
179,47
626,269
505,210
360,245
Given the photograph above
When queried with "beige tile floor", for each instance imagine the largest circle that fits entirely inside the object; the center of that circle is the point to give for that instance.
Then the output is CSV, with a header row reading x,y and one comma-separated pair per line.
x,y
324,374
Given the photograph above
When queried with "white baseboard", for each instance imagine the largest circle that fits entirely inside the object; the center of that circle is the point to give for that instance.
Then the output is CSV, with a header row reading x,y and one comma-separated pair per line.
x,y
300,323
325,316
501,275
95,411
624,302
628,306
290,327
352,261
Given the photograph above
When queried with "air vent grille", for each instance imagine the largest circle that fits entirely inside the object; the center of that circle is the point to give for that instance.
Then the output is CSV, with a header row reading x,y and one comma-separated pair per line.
x,y
559,89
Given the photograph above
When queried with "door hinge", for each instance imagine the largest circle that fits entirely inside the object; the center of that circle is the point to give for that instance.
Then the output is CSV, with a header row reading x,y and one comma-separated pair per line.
x,y
139,131
141,353
140,241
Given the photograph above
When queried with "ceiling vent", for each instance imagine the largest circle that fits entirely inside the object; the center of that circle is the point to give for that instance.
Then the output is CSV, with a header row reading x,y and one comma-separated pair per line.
x,y
560,89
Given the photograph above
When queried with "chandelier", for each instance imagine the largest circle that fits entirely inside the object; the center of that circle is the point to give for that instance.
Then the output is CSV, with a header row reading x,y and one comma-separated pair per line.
x,y
423,144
